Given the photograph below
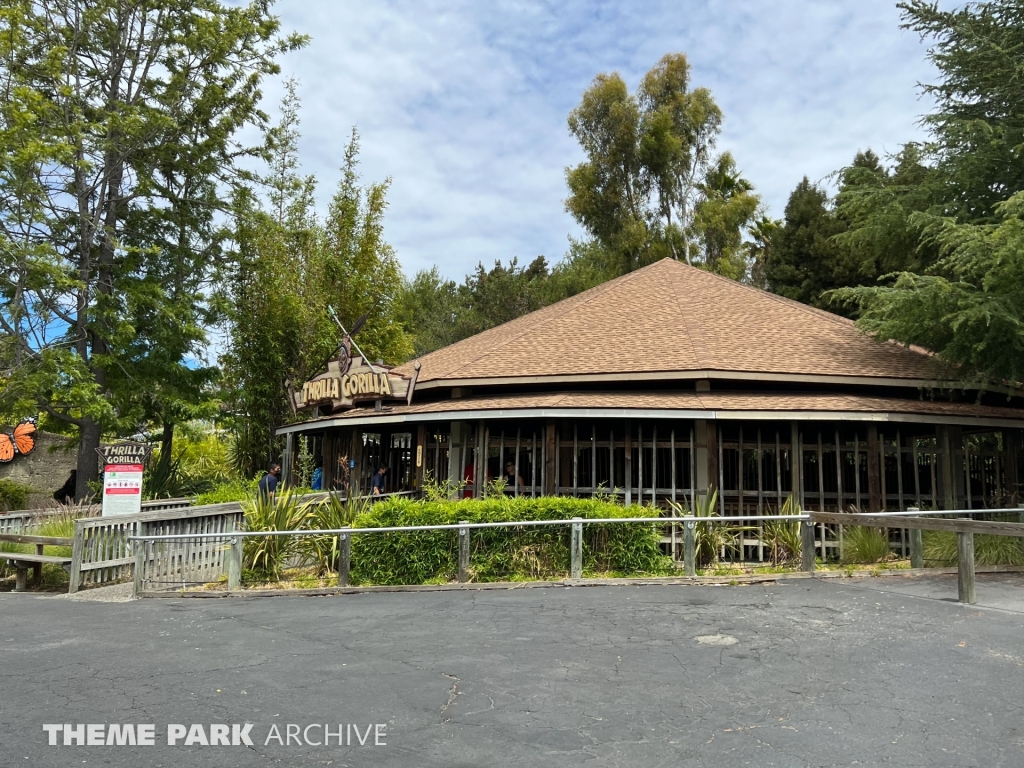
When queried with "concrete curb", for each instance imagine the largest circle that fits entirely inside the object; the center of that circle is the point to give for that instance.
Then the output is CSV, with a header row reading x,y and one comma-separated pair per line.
x,y
697,581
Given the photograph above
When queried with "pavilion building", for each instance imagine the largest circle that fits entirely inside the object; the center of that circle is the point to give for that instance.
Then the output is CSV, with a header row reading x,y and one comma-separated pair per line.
x,y
668,382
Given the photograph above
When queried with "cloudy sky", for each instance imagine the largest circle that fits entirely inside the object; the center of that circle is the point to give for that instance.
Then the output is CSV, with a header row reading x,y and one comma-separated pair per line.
x,y
464,104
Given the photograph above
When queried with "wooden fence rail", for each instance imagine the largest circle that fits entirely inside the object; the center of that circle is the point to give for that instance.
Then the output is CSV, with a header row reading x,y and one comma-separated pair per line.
x,y
964,529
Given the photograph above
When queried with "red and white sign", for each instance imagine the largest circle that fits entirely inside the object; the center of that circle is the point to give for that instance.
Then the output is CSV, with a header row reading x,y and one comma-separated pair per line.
x,y
122,489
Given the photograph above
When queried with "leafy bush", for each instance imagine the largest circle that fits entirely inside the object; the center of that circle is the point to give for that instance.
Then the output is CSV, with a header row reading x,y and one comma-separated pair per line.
x,y
940,550
862,544
499,553
13,495
231,490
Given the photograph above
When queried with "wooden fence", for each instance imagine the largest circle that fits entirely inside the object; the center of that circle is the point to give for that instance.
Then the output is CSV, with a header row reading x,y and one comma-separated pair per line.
x,y
102,553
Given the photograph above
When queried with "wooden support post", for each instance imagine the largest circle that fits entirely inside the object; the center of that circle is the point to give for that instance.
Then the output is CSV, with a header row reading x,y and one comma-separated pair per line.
x,y
549,459
689,549
233,561
965,567
796,464
21,577
628,463
875,501
713,451
576,545
355,473
37,568
916,548
344,558
807,546
1011,460
420,457
463,553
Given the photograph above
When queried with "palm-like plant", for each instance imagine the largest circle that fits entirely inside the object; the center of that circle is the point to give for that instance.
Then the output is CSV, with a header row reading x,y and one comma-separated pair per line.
x,y
710,538
284,512
330,514
782,537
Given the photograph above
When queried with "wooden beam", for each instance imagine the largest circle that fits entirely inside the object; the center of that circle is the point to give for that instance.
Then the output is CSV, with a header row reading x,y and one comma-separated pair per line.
x,y
549,459
712,439
420,455
955,525
875,501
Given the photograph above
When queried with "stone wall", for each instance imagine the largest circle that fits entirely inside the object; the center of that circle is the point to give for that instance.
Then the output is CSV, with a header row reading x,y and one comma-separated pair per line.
x,y
45,469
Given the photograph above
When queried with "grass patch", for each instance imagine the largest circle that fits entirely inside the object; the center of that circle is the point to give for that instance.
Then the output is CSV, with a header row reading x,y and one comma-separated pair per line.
x,y
940,550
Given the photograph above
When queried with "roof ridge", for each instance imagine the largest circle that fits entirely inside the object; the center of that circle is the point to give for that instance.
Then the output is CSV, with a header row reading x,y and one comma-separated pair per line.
x,y
825,314
570,303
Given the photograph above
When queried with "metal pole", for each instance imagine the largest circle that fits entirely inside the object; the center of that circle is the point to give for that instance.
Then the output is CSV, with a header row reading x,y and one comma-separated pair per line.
x,y
576,544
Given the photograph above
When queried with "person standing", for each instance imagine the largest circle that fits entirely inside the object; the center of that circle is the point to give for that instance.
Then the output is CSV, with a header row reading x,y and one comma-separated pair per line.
x,y
268,483
377,489
513,480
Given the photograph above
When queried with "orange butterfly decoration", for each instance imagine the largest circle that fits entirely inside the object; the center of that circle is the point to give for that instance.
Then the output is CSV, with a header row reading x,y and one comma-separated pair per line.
x,y
22,440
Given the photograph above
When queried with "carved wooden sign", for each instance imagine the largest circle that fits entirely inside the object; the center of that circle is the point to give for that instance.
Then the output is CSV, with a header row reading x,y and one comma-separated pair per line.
x,y
349,381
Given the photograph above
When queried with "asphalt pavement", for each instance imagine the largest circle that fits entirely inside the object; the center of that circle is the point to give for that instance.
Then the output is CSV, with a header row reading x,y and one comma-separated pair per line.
x,y
798,673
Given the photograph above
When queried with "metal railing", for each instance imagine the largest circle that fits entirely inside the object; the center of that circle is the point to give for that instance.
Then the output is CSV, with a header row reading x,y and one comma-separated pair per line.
x,y
145,549
147,552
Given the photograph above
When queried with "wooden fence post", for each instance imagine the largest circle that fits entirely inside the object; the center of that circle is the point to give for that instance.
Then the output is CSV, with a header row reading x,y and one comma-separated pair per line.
x,y
76,558
689,549
576,544
807,546
916,544
916,548
463,553
965,567
344,558
139,569
234,562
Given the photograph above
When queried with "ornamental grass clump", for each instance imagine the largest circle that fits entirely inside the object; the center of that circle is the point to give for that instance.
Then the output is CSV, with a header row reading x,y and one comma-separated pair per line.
x,y
782,538
332,513
269,554
862,544
940,550
499,554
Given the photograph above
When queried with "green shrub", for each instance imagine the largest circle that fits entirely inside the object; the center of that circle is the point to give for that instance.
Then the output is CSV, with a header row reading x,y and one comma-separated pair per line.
x,y
232,490
862,544
940,550
13,495
500,553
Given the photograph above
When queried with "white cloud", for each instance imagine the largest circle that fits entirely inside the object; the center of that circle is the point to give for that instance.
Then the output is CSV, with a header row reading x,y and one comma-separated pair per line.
x,y
464,104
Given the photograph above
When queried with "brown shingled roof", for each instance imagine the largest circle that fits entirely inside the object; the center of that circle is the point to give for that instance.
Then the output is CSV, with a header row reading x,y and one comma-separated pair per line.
x,y
669,317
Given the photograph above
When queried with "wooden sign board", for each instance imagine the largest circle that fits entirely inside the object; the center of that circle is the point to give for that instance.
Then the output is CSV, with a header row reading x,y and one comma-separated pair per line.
x,y
344,386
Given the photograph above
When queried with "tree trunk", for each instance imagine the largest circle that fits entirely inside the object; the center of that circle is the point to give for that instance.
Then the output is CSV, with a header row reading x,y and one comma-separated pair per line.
x,y
88,460
166,448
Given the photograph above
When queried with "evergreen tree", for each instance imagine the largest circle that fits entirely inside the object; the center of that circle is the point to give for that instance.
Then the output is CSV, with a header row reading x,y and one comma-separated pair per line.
x,y
117,119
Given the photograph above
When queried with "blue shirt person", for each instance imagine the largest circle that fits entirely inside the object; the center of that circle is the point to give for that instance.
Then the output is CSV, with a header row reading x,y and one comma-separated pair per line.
x,y
377,487
268,484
